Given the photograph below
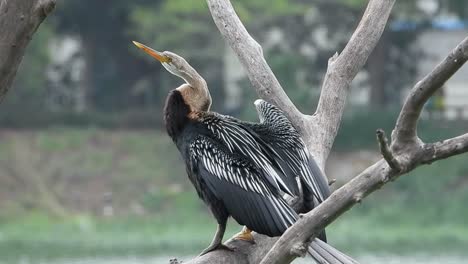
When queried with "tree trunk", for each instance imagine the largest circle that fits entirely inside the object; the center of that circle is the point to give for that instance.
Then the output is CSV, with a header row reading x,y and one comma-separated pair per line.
x,y
19,19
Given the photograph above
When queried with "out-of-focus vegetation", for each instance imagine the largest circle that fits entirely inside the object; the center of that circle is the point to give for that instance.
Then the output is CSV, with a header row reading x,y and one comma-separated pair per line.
x,y
126,193
109,75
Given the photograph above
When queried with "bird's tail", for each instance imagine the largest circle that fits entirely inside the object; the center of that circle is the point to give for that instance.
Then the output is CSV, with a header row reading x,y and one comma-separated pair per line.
x,y
323,253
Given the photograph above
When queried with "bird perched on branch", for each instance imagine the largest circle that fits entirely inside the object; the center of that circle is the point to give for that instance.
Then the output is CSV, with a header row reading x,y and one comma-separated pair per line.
x,y
235,169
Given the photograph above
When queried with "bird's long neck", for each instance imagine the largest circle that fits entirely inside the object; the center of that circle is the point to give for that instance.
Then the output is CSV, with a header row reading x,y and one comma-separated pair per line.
x,y
196,93
194,79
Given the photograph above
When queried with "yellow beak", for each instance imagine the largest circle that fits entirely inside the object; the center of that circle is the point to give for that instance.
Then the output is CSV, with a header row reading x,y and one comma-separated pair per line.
x,y
155,54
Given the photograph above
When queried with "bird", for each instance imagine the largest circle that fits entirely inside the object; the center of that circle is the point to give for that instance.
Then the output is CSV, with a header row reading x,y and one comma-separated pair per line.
x,y
233,169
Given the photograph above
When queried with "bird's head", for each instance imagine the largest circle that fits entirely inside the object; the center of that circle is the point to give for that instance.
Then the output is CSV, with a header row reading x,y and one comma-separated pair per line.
x,y
174,63
195,91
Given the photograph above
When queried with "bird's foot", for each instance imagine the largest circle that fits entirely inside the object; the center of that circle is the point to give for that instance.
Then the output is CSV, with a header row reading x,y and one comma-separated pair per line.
x,y
245,234
215,247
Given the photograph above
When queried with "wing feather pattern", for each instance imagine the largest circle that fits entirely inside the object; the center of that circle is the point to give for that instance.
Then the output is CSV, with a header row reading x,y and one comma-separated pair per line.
x,y
289,145
239,138
243,188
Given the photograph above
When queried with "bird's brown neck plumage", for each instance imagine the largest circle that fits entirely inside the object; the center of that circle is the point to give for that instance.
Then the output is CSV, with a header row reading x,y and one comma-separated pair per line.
x,y
195,91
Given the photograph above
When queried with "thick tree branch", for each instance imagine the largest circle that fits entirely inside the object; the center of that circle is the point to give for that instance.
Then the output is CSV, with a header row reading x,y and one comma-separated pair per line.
x,y
405,130
324,124
244,252
19,19
250,54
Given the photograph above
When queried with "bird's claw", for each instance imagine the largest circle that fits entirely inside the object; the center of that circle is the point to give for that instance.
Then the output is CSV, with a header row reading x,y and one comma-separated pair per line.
x,y
246,235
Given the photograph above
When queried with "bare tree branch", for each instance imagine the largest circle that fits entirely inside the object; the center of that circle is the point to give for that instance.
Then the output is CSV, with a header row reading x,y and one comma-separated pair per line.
x,y
445,148
219,256
244,252
19,20
405,130
323,126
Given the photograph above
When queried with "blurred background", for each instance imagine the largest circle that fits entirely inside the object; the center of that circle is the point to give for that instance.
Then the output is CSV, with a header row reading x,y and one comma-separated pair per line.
x,y
88,175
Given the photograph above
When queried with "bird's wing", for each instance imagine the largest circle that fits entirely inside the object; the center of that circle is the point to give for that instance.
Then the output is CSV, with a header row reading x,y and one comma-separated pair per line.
x,y
242,187
287,142
239,138
300,161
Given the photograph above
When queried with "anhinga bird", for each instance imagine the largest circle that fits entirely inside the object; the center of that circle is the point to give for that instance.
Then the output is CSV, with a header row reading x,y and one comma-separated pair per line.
x,y
234,170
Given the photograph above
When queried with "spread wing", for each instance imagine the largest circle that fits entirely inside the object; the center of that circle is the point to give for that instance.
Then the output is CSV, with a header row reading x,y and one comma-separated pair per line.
x,y
287,142
244,188
239,138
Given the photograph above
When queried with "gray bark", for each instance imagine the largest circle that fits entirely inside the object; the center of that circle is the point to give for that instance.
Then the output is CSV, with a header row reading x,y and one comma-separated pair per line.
x,y
19,19
405,152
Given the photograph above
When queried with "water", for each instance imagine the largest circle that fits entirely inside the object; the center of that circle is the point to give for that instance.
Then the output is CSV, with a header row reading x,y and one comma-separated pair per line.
x,y
372,259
